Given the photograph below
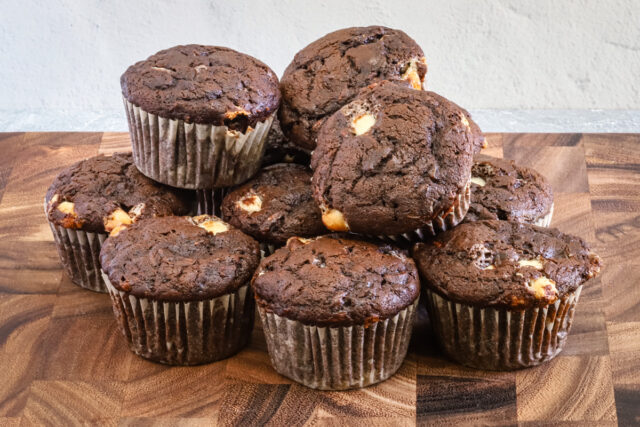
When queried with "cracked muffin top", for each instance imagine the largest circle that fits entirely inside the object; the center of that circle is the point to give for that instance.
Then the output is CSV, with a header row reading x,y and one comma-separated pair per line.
x,y
103,192
203,84
505,264
336,281
391,160
329,72
179,258
501,189
275,205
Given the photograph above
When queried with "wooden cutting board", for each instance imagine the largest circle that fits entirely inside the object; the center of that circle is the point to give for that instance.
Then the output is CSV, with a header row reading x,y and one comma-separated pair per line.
x,y
63,361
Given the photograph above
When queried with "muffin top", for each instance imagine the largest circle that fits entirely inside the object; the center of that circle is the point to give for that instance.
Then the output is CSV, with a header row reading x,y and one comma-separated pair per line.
x,y
505,264
335,281
179,258
203,84
275,205
279,149
329,72
391,160
501,189
100,193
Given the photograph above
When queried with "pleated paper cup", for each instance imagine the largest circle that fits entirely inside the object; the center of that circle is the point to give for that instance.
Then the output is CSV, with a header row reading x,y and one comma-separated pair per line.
x,y
209,202
194,156
501,339
184,333
80,255
446,221
338,358
545,221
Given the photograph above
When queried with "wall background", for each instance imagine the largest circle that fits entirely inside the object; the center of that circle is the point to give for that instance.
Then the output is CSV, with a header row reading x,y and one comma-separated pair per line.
x,y
61,60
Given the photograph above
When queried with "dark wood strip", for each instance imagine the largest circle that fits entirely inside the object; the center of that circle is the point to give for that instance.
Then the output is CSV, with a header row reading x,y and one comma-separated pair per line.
x,y
543,139
628,405
465,400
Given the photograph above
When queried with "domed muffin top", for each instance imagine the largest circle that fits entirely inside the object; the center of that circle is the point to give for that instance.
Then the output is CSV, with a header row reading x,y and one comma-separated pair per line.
x,y
392,160
336,281
100,193
329,72
179,258
203,84
505,264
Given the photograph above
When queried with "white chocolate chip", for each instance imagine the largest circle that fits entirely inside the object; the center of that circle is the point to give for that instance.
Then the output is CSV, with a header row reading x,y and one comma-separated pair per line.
x,y
411,73
166,70
214,226
334,220
116,219
361,124
117,230
535,263
294,239
464,121
53,199
541,285
67,208
200,67
250,203
490,267
478,181
136,211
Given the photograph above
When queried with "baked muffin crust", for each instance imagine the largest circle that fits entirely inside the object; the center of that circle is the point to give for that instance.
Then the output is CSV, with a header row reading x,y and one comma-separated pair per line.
x,y
505,264
336,281
203,84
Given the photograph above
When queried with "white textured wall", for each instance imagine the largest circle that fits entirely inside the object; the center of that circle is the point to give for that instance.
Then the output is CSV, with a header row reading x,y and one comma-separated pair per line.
x,y
484,54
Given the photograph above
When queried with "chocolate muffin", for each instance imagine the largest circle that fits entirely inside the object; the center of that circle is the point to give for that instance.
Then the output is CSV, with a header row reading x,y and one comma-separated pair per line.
x,y
337,313
180,287
329,72
501,295
501,189
91,198
275,205
395,163
198,115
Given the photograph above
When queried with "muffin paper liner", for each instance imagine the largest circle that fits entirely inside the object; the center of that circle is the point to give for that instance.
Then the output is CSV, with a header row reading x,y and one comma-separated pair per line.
x,y
338,358
545,221
184,333
209,202
267,249
500,339
452,217
194,156
80,255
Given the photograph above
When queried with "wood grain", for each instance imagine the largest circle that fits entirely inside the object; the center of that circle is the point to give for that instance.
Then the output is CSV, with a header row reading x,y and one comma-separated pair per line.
x,y
567,389
64,362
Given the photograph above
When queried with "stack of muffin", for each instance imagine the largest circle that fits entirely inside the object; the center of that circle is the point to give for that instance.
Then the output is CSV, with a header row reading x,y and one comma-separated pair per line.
x,y
392,174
